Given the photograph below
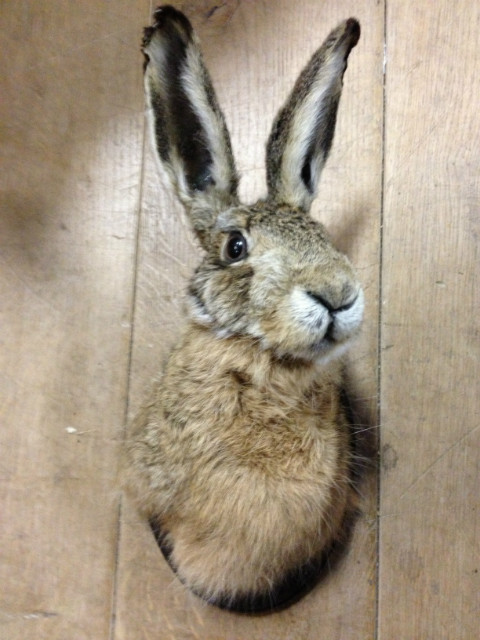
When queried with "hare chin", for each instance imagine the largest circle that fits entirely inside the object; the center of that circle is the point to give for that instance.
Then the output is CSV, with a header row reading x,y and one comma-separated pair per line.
x,y
331,352
320,353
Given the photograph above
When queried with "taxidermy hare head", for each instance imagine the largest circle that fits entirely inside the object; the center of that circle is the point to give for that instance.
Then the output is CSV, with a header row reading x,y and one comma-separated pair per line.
x,y
242,459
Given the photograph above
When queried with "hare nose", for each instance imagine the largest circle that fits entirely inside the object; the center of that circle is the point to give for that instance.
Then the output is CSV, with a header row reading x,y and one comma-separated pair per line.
x,y
331,308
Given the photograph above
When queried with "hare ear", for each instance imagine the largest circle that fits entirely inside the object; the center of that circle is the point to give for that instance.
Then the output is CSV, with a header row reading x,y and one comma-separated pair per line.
x,y
302,132
190,133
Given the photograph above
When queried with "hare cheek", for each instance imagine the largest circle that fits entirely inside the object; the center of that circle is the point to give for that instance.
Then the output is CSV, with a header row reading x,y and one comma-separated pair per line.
x,y
198,312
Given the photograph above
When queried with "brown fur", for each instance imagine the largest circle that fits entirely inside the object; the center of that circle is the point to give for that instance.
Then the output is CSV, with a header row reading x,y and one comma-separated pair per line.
x,y
242,457
274,460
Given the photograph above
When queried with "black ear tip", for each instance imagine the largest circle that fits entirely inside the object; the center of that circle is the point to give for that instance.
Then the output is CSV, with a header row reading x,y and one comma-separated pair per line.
x,y
352,27
166,13
171,23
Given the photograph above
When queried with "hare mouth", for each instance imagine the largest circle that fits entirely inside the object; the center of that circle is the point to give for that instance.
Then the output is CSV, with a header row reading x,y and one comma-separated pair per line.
x,y
327,343
328,340
326,349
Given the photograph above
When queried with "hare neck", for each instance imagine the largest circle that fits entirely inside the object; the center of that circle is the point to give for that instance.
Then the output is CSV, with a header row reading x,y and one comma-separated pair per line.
x,y
244,358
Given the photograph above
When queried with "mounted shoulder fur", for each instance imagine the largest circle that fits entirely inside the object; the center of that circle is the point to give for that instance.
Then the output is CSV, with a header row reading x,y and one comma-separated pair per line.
x,y
242,460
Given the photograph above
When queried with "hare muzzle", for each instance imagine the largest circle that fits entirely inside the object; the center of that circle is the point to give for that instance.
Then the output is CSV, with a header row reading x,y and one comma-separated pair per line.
x,y
331,323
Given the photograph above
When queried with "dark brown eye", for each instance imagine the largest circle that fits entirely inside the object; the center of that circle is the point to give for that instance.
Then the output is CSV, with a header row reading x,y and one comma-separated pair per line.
x,y
235,248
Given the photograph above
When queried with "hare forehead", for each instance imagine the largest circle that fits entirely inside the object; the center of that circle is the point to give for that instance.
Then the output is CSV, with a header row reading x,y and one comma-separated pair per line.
x,y
280,236
297,239
301,239
278,226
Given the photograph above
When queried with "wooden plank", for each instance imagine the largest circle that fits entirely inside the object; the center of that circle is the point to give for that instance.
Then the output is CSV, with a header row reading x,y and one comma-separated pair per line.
x,y
429,551
255,51
72,118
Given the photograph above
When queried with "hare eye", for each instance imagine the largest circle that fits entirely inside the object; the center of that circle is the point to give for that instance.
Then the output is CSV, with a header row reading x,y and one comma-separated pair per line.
x,y
235,248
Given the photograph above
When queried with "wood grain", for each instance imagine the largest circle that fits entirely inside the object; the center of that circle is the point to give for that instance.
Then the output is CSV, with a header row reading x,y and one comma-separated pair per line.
x,y
254,55
89,310
72,126
429,552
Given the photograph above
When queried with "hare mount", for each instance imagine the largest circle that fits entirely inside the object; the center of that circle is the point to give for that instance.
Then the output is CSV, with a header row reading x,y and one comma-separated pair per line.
x,y
242,458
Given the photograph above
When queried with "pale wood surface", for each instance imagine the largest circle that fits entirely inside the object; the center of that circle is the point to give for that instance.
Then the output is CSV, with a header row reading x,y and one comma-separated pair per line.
x,y
89,310
430,368
72,128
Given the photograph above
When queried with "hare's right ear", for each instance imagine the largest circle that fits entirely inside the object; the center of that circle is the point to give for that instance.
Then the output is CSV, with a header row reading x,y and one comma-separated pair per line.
x,y
190,133
303,131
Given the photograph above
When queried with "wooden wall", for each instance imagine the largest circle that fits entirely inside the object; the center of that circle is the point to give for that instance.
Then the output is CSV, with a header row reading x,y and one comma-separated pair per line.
x,y
94,257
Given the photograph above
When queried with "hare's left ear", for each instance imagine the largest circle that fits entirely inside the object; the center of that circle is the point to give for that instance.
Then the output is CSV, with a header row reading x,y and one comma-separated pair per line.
x,y
190,133
302,132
